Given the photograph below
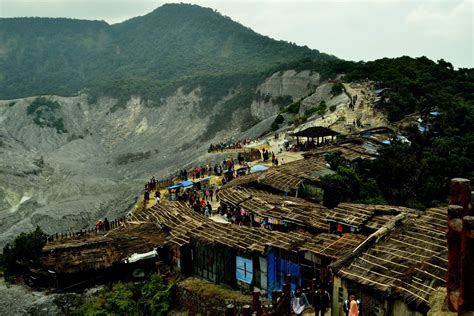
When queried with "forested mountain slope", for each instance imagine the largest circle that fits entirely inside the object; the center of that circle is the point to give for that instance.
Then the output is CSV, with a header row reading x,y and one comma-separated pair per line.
x,y
174,42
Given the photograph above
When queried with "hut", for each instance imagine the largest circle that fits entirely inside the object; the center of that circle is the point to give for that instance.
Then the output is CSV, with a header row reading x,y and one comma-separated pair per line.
x,y
353,151
289,179
317,132
121,253
396,274
177,190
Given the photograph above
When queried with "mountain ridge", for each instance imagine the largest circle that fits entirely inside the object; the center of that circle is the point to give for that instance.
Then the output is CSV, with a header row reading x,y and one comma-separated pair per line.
x,y
173,42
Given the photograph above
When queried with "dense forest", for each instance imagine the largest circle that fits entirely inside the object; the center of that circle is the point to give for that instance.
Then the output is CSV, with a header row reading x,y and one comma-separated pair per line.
x,y
415,174
145,55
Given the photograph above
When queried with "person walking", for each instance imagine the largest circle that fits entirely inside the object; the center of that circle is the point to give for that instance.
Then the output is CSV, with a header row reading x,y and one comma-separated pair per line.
x,y
299,301
321,302
353,307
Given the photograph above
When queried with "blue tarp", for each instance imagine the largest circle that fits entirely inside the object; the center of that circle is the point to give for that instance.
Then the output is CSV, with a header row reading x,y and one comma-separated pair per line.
x,y
244,269
175,186
423,129
277,270
258,168
386,142
203,179
187,183
271,273
435,113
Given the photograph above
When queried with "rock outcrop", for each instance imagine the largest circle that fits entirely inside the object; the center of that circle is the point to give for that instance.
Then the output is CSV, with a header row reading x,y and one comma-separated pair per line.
x,y
289,85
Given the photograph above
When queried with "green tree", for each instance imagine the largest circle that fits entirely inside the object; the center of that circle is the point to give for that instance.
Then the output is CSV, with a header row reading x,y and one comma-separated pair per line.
x,y
342,186
151,297
335,159
322,108
337,88
155,296
24,253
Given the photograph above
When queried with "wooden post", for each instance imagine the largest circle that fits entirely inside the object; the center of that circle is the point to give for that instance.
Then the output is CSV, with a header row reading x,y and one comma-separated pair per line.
x,y
230,310
256,305
246,310
454,254
466,295
460,285
460,194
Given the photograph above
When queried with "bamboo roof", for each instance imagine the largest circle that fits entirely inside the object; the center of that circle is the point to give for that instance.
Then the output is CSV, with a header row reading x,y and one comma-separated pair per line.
x,y
184,224
290,209
351,151
301,212
101,251
365,215
332,246
411,261
286,177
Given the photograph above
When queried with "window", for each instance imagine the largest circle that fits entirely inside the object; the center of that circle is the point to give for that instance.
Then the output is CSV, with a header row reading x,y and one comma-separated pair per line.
x,y
244,269
340,295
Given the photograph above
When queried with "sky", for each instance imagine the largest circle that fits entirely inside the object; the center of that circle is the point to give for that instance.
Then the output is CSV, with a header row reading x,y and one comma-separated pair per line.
x,y
349,29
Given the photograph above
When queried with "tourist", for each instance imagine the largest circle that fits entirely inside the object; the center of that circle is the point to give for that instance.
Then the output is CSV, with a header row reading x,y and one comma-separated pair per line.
x,y
299,301
321,302
211,193
106,224
157,197
209,208
353,308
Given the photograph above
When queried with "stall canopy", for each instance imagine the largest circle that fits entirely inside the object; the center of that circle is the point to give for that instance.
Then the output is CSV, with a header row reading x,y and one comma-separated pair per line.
x,y
181,185
316,131
258,168
187,183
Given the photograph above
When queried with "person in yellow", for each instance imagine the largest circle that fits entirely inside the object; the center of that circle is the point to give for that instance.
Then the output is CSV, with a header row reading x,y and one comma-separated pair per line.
x,y
353,307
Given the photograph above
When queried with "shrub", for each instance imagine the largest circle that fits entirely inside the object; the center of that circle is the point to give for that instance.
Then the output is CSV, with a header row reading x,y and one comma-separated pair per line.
x,y
24,253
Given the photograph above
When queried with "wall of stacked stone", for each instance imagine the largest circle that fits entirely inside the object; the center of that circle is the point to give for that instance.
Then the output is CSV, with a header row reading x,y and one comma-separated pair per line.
x,y
195,303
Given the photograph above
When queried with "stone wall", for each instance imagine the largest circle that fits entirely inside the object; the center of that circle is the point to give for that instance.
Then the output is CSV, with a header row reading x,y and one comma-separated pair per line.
x,y
197,296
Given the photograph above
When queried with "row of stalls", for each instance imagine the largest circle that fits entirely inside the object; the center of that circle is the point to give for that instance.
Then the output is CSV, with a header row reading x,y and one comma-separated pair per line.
x,y
180,190
242,256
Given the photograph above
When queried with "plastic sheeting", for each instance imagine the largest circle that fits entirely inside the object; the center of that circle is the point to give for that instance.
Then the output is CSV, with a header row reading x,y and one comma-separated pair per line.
x,y
141,256
244,269
277,270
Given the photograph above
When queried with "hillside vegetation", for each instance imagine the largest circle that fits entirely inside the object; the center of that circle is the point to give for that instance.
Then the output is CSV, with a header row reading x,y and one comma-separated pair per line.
x,y
145,55
415,174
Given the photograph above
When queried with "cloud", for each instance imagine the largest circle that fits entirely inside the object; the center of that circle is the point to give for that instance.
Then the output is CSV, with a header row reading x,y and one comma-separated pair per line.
x,y
446,19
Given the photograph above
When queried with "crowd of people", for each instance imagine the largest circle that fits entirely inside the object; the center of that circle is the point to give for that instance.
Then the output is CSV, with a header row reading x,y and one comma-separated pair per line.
x,y
229,145
321,301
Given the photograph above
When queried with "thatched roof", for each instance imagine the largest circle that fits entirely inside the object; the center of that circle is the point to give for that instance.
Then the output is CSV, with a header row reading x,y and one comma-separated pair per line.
x,y
290,209
307,214
351,151
411,261
101,251
332,246
364,215
184,224
315,131
286,177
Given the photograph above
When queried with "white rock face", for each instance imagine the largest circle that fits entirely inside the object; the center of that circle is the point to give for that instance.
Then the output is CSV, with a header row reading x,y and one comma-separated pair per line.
x,y
65,181
287,83
290,82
